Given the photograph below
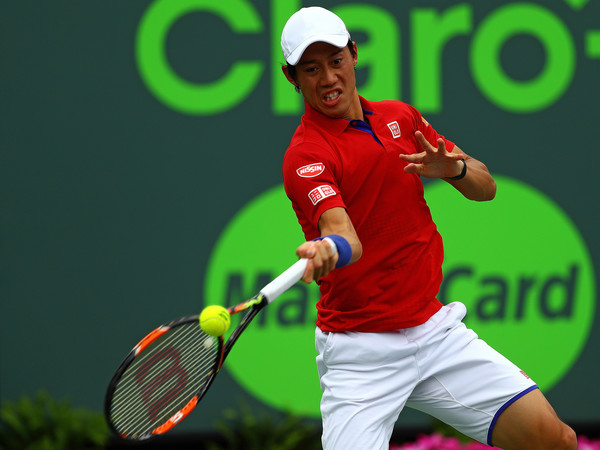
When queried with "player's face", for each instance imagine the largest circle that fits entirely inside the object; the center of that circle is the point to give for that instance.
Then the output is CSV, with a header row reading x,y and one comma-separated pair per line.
x,y
325,75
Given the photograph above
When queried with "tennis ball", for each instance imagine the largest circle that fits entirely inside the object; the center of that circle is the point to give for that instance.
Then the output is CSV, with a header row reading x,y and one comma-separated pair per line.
x,y
215,320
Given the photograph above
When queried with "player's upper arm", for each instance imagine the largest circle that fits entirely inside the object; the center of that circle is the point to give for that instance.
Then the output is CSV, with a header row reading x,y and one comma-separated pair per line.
x,y
336,221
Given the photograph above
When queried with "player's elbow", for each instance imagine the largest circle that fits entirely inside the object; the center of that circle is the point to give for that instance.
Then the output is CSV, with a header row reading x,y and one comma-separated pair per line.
x,y
357,251
488,186
490,192
481,192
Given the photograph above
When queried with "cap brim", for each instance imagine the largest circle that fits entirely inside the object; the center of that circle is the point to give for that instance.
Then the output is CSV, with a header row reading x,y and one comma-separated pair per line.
x,y
337,40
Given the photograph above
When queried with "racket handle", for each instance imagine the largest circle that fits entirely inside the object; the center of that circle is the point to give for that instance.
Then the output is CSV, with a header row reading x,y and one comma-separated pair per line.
x,y
284,281
290,277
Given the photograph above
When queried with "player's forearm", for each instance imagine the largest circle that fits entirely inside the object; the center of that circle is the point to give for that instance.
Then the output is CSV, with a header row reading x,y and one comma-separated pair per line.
x,y
477,184
336,221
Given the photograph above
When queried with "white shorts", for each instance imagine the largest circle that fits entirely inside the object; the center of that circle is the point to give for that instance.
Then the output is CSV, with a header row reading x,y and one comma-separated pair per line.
x,y
440,368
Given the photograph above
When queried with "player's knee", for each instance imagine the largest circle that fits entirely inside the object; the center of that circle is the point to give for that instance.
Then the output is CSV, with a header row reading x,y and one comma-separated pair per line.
x,y
562,437
568,438
547,435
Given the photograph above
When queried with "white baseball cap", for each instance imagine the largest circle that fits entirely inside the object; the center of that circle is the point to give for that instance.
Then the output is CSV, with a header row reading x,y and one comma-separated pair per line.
x,y
310,25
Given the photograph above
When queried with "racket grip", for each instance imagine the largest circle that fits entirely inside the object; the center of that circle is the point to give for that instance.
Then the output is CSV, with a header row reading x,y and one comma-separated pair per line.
x,y
284,281
290,277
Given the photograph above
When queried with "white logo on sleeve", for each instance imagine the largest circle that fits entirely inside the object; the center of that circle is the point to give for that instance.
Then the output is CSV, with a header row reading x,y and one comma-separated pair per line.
x,y
321,193
311,170
395,129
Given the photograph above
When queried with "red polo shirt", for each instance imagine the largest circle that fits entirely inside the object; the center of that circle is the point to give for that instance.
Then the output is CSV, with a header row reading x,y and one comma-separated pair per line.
x,y
335,162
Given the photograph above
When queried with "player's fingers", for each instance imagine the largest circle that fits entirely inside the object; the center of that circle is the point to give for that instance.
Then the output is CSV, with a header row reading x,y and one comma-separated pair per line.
x,y
308,275
330,257
321,259
306,250
441,145
456,156
414,158
324,260
413,168
424,143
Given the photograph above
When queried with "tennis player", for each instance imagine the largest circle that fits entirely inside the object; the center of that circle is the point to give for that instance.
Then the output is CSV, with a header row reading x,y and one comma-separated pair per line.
x,y
353,173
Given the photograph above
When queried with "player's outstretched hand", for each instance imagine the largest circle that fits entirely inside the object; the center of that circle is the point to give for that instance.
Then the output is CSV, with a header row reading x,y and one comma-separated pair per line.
x,y
433,162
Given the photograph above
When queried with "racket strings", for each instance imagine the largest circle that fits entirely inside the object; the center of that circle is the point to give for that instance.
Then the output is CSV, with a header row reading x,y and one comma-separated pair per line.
x,y
169,380
163,379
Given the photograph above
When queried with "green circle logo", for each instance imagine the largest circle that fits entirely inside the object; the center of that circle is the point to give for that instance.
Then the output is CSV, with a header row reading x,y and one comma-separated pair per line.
x,y
522,269
518,263
257,245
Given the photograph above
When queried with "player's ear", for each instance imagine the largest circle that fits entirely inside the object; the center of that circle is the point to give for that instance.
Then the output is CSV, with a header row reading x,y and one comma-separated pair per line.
x,y
355,52
289,77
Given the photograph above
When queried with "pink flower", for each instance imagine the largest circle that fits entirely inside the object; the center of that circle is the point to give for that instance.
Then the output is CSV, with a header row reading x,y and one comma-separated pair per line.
x,y
431,442
438,442
478,446
583,443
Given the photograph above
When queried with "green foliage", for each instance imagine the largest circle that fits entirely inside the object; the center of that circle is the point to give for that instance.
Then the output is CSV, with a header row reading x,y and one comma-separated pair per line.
x,y
245,430
446,430
43,423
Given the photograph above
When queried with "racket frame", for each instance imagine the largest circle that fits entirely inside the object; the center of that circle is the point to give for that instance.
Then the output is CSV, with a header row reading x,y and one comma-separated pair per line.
x,y
252,307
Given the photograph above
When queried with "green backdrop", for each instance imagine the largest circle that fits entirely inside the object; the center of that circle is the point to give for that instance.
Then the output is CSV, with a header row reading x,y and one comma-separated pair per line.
x,y
134,133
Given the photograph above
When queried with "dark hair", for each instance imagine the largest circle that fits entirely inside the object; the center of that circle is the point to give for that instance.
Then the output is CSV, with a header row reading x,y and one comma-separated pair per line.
x,y
292,69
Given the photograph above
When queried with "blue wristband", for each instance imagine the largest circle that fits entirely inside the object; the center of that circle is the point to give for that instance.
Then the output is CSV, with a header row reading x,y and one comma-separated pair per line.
x,y
343,248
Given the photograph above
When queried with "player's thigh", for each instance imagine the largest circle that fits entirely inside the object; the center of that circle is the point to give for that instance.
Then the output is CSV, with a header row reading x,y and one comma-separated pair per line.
x,y
366,379
466,383
531,423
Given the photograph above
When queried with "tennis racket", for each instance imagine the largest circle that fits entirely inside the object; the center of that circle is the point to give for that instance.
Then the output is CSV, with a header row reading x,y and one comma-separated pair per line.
x,y
165,375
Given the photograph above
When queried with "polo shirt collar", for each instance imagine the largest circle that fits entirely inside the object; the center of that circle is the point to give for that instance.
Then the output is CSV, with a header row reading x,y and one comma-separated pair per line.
x,y
333,126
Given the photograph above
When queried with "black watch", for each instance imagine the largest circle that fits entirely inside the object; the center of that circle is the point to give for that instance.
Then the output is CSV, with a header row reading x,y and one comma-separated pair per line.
x,y
462,174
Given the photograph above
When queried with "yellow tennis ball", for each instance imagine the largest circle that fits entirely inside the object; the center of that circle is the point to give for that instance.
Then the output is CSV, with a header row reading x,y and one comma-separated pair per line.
x,y
215,320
